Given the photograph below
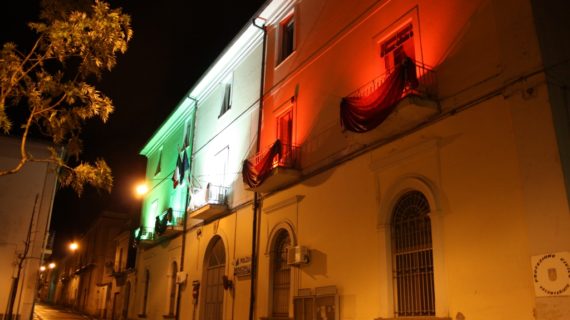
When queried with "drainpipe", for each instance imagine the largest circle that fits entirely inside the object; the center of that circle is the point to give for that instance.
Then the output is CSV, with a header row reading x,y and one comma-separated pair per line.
x,y
256,195
187,201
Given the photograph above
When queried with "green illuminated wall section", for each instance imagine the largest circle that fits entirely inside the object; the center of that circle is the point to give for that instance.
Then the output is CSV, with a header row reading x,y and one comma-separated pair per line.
x,y
164,148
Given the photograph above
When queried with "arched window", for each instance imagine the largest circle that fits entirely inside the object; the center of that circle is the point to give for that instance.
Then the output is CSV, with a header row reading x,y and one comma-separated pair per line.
x,y
172,288
412,256
214,266
281,275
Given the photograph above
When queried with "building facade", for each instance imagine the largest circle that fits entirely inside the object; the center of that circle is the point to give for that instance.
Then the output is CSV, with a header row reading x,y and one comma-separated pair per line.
x,y
124,276
26,200
400,159
200,149
88,279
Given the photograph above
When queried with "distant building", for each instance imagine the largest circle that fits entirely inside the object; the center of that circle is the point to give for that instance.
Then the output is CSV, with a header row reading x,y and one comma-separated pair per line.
x,y
26,200
402,159
124,277
87,276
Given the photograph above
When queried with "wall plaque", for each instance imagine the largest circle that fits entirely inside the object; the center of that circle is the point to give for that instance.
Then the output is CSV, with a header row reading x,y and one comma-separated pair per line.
x,y
551,274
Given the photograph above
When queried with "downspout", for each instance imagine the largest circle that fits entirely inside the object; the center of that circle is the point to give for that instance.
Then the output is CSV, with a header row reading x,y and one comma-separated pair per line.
x,y
256,195
187,201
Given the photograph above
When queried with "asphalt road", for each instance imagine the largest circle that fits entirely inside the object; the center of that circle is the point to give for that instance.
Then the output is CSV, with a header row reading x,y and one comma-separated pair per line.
x,y
47,312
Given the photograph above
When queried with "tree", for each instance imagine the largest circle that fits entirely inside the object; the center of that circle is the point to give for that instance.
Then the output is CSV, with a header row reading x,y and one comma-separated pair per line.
x,y
50,86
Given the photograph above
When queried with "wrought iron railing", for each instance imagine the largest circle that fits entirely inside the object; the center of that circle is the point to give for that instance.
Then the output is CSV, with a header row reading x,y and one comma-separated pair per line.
x,y
217,194
427,84
144,233
210,194
289,156
172,221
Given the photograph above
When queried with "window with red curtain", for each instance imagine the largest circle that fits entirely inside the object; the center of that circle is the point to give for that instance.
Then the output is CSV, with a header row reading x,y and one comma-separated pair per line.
x,y
285,134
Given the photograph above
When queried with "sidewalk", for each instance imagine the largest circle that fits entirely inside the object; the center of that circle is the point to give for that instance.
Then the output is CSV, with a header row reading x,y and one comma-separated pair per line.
x,y
52,312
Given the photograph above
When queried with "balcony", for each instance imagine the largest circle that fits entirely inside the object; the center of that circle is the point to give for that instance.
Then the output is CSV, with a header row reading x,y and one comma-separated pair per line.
x,y
144,236
282,167
79,269
121,275
405,98
165,227
426,86
48,249
208,202
170,225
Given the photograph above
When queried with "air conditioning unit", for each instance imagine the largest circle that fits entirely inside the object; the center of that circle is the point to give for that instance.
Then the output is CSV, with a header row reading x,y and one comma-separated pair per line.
x,y
298,255
181,277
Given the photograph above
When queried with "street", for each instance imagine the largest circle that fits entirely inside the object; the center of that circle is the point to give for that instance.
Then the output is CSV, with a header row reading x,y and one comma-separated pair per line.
x,y
48,312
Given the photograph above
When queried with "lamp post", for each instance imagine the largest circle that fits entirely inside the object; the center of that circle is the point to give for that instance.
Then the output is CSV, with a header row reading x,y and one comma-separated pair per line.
x,y
141,189
73,246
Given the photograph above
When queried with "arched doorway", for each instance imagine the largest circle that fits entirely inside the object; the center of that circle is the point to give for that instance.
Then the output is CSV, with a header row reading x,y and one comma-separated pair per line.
x,y
214,269
280,275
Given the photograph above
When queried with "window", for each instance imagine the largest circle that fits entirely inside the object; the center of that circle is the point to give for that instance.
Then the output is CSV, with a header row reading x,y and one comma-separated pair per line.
x,y
220,167
412,256
215,265
286,37
159,163
120,264
285,135
397,47
323,305
281,275
154,208
285,127
227,99
187,134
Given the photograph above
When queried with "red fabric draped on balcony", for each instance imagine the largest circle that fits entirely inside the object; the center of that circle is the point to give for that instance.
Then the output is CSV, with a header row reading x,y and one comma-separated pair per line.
x,y
362,114
254,174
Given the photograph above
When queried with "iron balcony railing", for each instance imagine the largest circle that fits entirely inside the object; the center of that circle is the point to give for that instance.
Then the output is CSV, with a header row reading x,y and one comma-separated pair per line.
x,y
174,221
144,233
289,157
211,194
427,83
216,194
154,232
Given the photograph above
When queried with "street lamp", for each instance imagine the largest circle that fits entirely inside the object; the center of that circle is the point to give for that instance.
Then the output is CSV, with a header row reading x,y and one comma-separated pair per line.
x,y
42,268
141,189
51,265
73,246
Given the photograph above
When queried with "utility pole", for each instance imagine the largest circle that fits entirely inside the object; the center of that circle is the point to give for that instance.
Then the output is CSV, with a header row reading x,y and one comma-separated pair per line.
x,y
21,258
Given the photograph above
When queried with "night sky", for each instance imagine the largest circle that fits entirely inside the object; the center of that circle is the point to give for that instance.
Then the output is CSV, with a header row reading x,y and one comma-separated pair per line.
x,y
174,42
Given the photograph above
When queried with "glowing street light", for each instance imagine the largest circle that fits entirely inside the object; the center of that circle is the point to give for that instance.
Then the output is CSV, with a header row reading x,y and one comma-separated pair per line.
x,y
51,265
42,268
73,246
141,189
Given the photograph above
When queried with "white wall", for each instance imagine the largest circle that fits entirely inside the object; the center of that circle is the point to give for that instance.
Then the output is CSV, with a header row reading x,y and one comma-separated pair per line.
x,y
17,195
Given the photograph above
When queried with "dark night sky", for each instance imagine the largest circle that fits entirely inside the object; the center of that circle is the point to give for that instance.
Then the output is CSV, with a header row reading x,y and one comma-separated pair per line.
x,y
174,43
